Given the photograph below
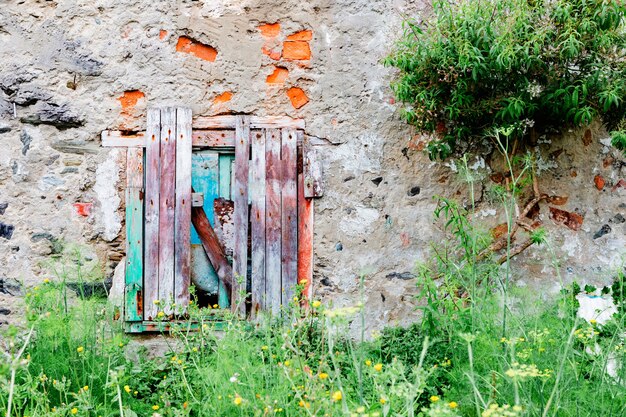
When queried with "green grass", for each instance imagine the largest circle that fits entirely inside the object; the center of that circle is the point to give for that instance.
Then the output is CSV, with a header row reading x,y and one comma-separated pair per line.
x,y
77,363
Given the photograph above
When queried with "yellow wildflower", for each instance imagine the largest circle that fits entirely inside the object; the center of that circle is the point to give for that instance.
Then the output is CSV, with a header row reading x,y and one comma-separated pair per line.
x,y
337,396
237,400
378,367
434,398
127,389
86,388
160,314
316,303
523,371
155,407
216,306
46,281
323,375
382,400
368,362
80,349
74,410
157,302
452,404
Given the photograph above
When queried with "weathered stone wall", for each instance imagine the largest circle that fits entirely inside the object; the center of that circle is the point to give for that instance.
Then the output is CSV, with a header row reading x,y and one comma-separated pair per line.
x,y
70,69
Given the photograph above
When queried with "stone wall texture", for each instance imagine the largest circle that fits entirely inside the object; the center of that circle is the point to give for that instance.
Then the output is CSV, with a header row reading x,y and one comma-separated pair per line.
x,y
72,68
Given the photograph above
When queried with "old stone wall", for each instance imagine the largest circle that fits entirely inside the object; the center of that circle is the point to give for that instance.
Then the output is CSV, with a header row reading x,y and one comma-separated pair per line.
x,y
70,69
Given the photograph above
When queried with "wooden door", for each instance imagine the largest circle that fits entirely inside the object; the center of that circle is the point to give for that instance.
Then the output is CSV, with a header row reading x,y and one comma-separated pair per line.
x,y
249,240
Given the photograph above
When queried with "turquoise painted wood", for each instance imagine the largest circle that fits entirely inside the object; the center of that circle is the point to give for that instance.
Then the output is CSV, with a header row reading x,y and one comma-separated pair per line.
x,y
211,174
205,180
134,235
226,161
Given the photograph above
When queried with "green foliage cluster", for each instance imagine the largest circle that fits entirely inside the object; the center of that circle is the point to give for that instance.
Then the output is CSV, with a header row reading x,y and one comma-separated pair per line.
x,y
523,65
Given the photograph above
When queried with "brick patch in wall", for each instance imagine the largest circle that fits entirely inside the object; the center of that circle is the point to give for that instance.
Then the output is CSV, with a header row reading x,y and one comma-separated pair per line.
x,y
129,100
278,76
303,35
225,97
296,50
269,30
83,209
599,182
196,48
297,96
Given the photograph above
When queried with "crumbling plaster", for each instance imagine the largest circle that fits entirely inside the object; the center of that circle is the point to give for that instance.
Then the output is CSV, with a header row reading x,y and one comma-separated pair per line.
x,y
70,69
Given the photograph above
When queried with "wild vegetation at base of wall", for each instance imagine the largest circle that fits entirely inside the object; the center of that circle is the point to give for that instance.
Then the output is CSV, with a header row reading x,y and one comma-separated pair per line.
x,y
470,358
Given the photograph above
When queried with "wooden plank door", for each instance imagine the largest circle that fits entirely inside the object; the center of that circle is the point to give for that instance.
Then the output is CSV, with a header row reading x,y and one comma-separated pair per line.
x,y
166,246
257,208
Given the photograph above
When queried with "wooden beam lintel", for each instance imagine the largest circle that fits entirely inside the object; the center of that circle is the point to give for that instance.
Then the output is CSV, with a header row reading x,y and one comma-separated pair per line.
x,y
217,131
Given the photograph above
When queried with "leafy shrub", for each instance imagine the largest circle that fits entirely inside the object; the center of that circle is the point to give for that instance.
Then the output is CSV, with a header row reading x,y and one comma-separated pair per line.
x,y
524,65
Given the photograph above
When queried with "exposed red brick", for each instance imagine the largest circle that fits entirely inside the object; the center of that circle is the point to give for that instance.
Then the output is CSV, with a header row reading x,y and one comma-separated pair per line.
x,y
269,30
296,50
297,96
129,100
198,49
499,230
279,76
599,181
275,55
587,138
162,34
303,35
83,209
222,98
566,218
